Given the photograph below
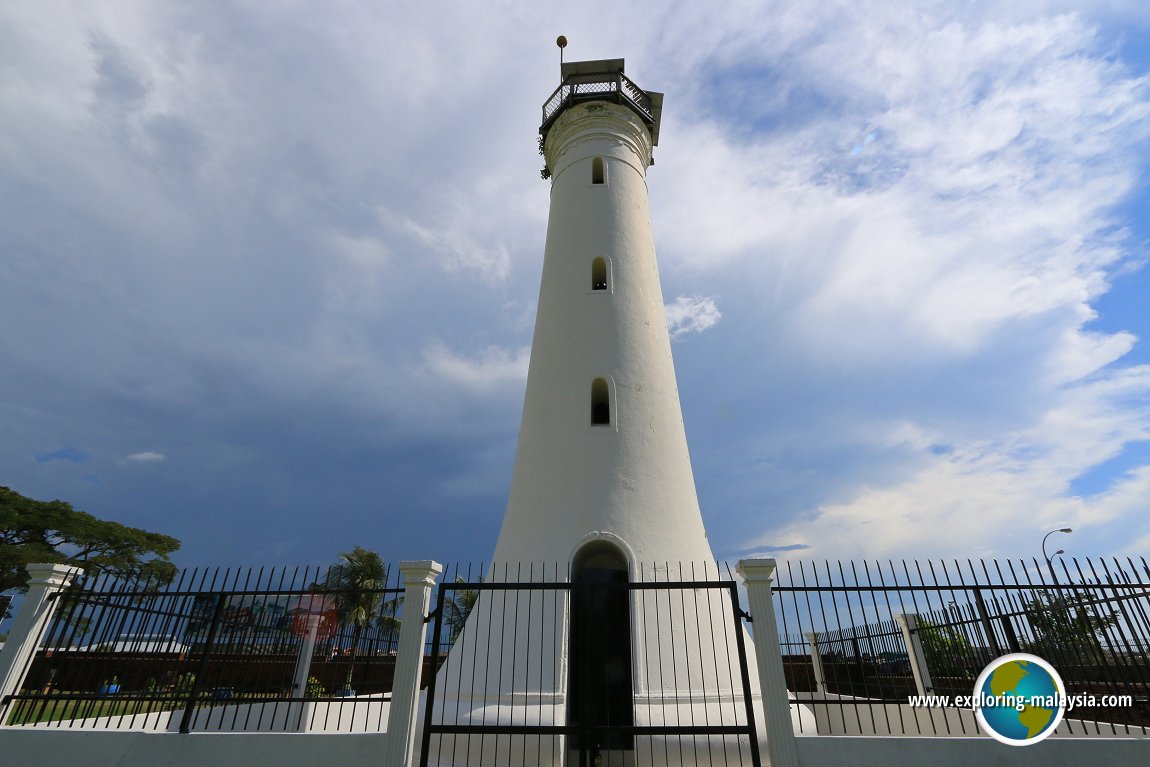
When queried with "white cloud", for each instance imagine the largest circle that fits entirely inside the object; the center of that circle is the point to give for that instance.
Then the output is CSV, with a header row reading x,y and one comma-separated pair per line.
x,y
258,215
361,263
493,366
691,314
989,496
1082,353
999,151
365,252
455,248
146,457
920,233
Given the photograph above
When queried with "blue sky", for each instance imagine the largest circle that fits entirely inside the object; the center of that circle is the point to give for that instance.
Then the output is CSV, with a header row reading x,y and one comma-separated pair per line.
x,y
268,271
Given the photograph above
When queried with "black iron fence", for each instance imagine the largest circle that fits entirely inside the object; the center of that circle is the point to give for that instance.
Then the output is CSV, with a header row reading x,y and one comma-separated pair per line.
x,y
587,667
607,665
245,649
860,638
870,658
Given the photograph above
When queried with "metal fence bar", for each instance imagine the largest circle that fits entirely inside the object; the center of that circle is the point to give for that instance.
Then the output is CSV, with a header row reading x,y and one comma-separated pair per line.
x,y
1090,620
214,648
194,694
524,606
211,648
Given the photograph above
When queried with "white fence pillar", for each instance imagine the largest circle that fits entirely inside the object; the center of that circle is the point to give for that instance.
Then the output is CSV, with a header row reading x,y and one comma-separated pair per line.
x,y
909,624
303,669
35,612
780,731
418,580
817,663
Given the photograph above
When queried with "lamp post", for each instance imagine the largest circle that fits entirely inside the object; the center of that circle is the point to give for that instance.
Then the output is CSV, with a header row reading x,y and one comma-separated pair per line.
x,y
1049,563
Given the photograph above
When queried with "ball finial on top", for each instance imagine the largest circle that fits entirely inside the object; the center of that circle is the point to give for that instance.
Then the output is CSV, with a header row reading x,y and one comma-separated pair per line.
x,y
561,41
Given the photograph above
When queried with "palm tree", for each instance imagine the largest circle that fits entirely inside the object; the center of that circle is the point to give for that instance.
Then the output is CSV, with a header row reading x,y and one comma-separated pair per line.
x,y
356,586
388,623
458,608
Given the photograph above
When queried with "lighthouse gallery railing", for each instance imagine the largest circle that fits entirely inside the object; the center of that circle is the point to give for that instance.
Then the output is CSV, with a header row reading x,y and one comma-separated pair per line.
x,y
614,86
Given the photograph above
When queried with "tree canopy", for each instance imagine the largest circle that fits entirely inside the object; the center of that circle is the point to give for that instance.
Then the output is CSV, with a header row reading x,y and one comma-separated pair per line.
x,y
458,608
1067,626
357,585
947,650
52,531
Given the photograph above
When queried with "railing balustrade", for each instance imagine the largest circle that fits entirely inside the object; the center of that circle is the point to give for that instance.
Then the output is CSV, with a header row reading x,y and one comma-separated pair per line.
x,y
587,87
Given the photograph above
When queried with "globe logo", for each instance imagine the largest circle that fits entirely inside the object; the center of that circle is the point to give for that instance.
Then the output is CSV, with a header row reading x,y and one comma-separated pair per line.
x,y
1019,699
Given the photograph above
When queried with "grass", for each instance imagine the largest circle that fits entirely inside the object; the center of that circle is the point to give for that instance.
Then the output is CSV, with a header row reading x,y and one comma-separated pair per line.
x,y
63,707
71,706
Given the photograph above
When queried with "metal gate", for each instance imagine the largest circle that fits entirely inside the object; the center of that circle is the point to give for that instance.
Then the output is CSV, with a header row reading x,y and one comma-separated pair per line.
x,y
537,674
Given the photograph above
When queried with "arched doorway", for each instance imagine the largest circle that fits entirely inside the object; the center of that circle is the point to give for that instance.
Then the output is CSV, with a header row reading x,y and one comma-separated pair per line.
x,y
600,689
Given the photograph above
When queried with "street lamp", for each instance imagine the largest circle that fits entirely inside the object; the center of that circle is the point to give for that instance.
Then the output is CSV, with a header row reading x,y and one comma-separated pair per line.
x,y
1049,564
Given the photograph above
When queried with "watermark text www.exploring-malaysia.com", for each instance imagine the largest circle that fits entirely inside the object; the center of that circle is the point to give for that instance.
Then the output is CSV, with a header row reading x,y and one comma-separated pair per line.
x,y
1066,702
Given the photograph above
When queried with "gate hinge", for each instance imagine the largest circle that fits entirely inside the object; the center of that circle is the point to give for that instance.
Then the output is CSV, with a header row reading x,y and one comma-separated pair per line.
x,y
744,615
432,615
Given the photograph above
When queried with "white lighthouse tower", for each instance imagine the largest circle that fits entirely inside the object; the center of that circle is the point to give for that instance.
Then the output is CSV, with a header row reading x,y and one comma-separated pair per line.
x,y
602,453
602,493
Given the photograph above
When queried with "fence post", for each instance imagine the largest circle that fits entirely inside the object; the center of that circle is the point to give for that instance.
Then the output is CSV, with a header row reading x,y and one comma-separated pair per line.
x,y
37,609
756,575
817,663
418,580
909,624
303,670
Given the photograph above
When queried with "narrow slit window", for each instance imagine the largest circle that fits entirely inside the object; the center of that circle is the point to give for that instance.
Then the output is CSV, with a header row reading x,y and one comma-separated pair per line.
x,y
597,170
599,274
600,403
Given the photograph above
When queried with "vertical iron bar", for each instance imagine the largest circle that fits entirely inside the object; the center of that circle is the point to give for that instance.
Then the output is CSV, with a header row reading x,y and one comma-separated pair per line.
x,y
514,649
984,616
920,610
856,630
194,693
744,676
528,653
425,750
1008,630
879,627
1110,671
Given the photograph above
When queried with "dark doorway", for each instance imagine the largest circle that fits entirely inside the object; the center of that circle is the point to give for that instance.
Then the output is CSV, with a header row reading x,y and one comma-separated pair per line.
x,y
600,693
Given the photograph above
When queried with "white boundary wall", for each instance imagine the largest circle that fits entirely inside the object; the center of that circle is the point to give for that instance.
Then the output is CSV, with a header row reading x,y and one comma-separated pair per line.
x,y
964,752
901,720
65,748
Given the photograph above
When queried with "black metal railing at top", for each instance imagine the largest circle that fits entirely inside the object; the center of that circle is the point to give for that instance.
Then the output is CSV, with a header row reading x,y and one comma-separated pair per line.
x,y
613,86
1091,622
216,649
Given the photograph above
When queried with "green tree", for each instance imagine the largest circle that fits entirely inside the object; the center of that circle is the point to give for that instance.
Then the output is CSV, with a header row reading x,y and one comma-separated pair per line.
x,y
388,622
1066,627
457,609
52,531
356,586
946,648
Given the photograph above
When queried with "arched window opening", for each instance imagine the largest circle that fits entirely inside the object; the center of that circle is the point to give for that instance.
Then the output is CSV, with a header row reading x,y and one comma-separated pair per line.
x,y
600,403
599,274
597,170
